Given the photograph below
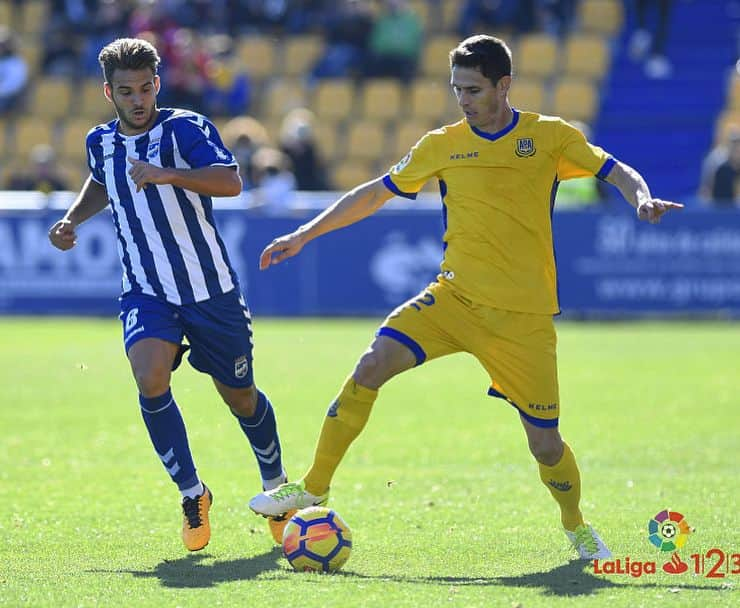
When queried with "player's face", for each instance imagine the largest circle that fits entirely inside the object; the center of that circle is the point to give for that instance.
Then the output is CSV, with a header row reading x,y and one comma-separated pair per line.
x,y
483,103
134,95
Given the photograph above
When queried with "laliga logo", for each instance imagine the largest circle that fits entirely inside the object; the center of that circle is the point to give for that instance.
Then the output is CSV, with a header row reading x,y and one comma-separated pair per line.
x,y
670,531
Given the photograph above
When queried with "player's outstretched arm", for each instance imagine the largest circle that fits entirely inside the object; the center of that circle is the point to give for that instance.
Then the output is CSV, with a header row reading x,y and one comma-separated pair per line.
x,y
92,199
208,181
635,190
355,205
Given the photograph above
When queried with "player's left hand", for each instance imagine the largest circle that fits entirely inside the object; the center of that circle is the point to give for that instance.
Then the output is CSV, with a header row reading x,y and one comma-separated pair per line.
x,y
143,173
653,209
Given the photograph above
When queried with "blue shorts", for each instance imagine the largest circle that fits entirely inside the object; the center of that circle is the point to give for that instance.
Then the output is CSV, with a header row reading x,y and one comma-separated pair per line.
x,y
218,330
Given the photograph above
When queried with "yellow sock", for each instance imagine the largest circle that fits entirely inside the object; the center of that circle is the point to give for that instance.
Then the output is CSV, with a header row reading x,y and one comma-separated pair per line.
x,y
344,421
564,482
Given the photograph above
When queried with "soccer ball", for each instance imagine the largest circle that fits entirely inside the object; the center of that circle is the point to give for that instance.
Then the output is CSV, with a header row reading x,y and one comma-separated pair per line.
x,y
316,539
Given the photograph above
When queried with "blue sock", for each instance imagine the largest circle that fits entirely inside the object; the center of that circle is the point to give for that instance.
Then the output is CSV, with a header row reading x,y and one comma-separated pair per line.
x,y
167,431
261,430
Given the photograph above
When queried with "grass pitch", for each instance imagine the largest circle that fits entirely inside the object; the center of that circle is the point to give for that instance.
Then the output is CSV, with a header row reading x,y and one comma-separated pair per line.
x,y
442,496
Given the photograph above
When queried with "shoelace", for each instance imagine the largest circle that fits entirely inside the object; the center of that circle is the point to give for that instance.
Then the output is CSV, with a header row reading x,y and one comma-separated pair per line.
x,y
191,509
286,490
585,538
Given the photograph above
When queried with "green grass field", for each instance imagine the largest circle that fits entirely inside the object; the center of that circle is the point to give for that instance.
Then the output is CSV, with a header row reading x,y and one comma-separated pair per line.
x,y
442,496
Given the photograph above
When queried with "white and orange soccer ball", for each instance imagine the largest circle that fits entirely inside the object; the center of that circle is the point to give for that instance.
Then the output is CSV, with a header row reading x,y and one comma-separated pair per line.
x,y
317,539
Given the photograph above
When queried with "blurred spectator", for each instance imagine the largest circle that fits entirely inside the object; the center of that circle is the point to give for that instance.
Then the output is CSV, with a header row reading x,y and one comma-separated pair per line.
x,y
498,15
230,91
274,182
395,42
107,23
582,191
556,16
42,173
346,31
297,141
187,77
244,136
649,41
721,174
13,72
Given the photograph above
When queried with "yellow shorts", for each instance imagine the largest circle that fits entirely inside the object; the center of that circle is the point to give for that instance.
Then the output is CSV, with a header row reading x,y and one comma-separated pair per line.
x,y
517,349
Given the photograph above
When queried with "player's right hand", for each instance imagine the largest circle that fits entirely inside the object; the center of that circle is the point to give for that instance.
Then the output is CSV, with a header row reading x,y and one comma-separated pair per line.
x,y
62,235
284,247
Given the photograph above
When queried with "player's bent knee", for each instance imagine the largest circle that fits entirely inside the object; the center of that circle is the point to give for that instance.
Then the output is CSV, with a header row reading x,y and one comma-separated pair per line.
x,y
152,383
241,401
547,448
384,359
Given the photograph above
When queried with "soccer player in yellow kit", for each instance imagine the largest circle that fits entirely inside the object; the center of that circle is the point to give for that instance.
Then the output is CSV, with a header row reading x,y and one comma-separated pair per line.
x,y
498,171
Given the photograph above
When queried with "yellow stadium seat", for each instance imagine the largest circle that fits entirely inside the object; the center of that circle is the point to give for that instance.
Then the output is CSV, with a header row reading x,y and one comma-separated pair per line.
x,y
431,98
300,54
92,103
50,97
256,55
28,132
3,137
282,96
586,56
537,55
349,174
422,10
34,16
450,14
333,99
72,145
406,136
727,123
328,141
528,94
575,99
380,98
435,58
601,16
733,94
366,141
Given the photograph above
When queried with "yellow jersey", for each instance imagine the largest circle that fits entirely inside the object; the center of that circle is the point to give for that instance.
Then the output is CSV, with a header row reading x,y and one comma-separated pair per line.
x,y
498,191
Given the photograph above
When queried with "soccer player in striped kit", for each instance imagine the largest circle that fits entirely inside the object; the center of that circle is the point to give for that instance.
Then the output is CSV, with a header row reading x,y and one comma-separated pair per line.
x,y
157,169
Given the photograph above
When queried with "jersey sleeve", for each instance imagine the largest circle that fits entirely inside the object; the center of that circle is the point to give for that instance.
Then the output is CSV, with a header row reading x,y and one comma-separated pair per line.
x,y
200,143
94,151
579,158
407,177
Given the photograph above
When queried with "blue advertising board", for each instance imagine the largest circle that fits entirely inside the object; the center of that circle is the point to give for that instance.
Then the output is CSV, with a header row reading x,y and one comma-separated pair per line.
x,y
608,264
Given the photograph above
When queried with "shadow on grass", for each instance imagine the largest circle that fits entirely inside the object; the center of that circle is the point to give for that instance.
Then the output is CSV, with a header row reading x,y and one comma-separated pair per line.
x,y
189,572
568,580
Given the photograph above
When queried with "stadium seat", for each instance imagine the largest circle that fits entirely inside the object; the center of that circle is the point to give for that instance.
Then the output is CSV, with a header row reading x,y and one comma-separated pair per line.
x,y
30,50
537,56
256,55
380,98
333,99
733,94
366,141
92,103
50,97
528,94
586,56
450,15
406,135
349,174
430,99
300,54
34,16
422,10
435,56
29,131
3,137
281,96
72,144
601,16
728,121
329,141
575,99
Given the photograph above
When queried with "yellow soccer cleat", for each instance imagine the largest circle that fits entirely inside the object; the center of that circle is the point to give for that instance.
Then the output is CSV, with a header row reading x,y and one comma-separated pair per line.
x,y
196,529
277,525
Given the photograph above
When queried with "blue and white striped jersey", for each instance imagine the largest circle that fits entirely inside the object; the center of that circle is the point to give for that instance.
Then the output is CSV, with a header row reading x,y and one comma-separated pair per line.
x,y
167,238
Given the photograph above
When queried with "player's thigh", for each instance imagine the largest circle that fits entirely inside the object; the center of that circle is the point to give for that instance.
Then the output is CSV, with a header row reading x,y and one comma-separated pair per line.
x,y
220,334
519,351
152,336
427,325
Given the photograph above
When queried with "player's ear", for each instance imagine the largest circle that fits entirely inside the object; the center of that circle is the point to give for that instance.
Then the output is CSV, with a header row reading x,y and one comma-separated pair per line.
x,y
503,85
108,92
157,84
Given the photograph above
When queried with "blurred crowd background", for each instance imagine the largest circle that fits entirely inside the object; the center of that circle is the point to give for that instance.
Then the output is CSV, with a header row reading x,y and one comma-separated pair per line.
x,y
321,95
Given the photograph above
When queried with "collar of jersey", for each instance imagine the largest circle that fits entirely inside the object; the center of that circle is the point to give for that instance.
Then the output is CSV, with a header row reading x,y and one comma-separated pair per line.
x,y
160,117
502,132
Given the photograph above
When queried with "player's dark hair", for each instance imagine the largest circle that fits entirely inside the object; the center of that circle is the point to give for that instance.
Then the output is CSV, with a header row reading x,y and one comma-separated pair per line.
x,y
488,54
128,54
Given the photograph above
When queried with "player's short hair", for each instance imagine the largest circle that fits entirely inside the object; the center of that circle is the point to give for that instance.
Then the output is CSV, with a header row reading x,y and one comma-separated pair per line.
x,y
128,54
486,53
